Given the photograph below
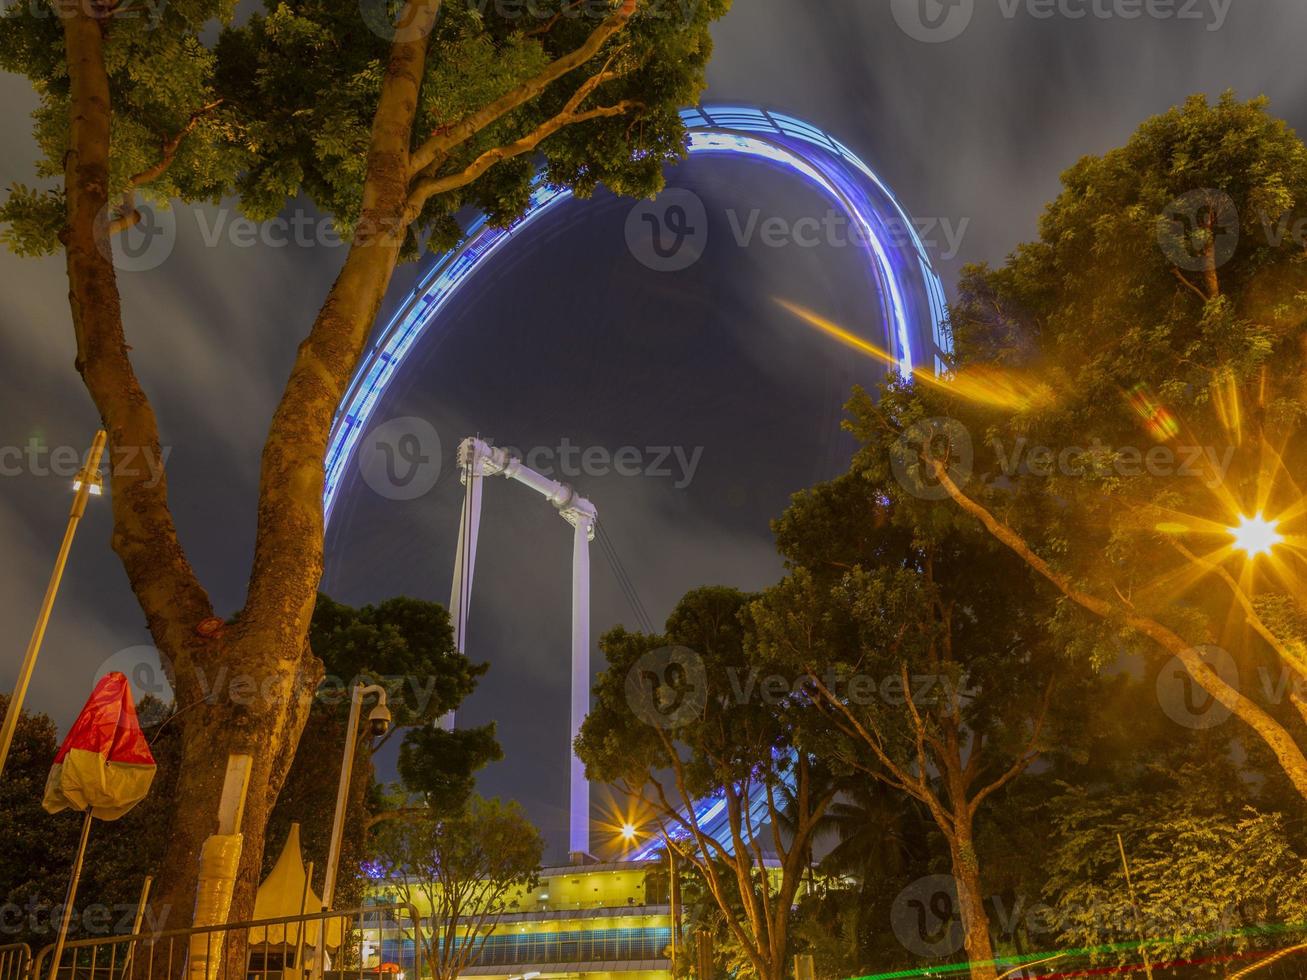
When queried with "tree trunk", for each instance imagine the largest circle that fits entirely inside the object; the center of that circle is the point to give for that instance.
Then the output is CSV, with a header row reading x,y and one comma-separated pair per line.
x,y
258,706
971,901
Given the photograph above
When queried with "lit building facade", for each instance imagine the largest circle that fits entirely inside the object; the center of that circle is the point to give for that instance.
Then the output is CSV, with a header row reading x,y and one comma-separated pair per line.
x,y
600,921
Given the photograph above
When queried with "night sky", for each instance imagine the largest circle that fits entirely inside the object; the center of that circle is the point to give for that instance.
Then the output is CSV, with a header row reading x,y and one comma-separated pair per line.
x,y
566,336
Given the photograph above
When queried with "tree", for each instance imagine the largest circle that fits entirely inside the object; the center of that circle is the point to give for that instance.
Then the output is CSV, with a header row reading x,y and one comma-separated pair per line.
x,y
677,720
880,842
1162,311
389,126
1208,873
928,654
467,869
406,646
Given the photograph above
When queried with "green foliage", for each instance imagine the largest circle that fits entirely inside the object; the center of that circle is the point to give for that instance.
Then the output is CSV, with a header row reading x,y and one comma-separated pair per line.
x,y
694,714
728,741
299,82
1207,874
305,76
32,220
407,646
160,74
465,869
1175,402
442,766
877,585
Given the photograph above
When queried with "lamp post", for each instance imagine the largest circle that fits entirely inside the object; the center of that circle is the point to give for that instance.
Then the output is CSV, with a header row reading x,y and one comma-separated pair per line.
x,y
87,483
379,721
629,836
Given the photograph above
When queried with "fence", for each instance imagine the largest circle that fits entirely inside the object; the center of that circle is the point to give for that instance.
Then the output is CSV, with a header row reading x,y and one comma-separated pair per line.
x,y
276,949
15,959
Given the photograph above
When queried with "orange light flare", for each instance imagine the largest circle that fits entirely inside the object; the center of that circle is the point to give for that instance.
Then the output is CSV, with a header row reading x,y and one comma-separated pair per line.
x,y
983,384
627,823
1251,543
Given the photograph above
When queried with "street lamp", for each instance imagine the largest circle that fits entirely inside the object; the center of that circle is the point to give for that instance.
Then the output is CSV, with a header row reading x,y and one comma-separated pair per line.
x,y
378,723
1256,535
87,483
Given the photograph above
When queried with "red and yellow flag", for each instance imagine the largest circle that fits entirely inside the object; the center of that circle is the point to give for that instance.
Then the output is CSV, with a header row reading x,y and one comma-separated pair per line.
x,y
105,762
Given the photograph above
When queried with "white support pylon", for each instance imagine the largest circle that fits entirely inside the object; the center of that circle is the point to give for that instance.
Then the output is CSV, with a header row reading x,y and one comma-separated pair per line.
x,y
469,526
579,828
477,460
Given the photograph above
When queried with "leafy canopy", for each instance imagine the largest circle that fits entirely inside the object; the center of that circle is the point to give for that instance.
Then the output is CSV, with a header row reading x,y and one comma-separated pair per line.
x,y
282,105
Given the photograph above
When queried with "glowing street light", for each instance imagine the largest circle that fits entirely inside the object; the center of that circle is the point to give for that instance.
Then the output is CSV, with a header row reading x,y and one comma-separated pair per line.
x,y
628,833
1256,535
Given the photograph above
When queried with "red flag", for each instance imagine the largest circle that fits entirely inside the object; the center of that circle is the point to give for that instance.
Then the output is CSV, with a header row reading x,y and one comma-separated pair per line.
x,y
104,763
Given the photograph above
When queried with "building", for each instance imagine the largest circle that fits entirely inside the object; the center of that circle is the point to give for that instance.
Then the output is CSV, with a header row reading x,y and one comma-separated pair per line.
x,y
600,921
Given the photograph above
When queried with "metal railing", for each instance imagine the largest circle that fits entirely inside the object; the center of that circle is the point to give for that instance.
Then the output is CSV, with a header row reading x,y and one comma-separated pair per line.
x,y
15,959
275,949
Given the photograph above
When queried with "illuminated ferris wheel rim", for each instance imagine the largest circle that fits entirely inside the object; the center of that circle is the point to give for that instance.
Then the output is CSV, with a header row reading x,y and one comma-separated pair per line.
x,y
912,298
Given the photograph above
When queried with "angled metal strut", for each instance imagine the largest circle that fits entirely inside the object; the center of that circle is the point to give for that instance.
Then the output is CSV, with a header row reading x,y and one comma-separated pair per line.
x,y
476,461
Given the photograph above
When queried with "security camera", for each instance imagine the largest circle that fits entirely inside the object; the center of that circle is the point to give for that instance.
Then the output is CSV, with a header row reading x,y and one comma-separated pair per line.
x,y
379,720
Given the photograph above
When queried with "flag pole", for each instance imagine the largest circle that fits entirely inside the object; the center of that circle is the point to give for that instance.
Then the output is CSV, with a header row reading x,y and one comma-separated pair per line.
x,y
87,483
72,897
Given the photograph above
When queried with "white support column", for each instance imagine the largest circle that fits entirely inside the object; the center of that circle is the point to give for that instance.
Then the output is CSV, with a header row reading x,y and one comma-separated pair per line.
x,y
579,831
465,558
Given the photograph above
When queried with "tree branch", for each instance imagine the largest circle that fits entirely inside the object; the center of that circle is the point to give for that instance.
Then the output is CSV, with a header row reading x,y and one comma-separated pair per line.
x,y
1250,611
440,145
1277,738
429,187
